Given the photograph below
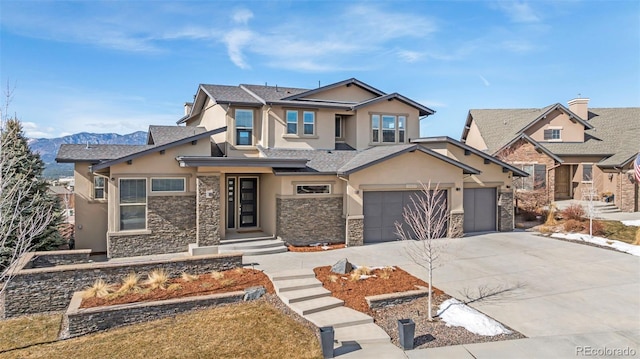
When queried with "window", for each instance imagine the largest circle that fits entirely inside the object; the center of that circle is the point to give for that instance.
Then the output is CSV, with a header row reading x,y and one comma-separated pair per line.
x,y
98,187
133,204
552,134
587,173
244,127
393,128
309,122
537,177
313,189
338,126
375,128
292,122
167,184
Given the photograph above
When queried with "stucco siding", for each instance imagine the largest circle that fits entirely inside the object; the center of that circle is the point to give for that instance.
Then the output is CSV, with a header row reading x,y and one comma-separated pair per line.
x,y
570,130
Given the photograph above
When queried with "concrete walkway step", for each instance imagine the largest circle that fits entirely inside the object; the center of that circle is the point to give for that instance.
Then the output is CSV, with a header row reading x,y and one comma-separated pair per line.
x,y
316,305
362,334
301,295
338,318
266,243
292,274
246,240
287,285
255,251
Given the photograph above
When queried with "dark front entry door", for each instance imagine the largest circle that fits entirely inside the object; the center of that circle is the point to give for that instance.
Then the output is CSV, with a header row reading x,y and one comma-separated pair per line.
x,y
563,182
248,210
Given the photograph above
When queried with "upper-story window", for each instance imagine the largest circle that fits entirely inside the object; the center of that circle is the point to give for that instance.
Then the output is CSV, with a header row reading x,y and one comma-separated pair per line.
x,y
552,134
98,188
244,127
392,126
339,129
308,124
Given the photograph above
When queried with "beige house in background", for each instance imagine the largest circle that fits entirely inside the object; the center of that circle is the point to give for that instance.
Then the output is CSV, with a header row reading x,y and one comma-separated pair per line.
x,y
572,153
336,164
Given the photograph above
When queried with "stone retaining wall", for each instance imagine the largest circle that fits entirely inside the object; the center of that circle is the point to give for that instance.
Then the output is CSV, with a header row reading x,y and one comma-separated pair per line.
x,y
39,290
391,299
57,258
304,221
79,321
355,232
171,222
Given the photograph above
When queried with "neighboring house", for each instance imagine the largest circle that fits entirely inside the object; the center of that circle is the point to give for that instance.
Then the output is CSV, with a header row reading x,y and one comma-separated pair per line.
x,y
334,164
571,153
66,198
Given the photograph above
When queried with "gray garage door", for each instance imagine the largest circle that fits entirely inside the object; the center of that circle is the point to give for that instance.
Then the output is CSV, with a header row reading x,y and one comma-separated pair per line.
x,y
381,211
479,209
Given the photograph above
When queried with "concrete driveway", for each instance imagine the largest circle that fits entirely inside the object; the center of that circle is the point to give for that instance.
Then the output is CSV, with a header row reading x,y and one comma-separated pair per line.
x,y
561,295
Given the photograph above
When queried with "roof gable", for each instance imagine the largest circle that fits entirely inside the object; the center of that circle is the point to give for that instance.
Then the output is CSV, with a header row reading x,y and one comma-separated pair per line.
x,y
348,82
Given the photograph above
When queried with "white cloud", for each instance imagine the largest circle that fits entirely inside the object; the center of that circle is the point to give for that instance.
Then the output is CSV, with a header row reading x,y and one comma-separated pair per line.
x,y
32,130
409,56
518,11
519,46
236,40
485,81
242,16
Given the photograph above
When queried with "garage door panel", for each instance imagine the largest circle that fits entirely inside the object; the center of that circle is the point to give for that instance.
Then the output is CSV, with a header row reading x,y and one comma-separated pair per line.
x,y
480,209
382,209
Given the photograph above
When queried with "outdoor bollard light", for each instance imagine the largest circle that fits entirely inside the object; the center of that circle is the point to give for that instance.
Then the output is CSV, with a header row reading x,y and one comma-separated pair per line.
x,y
406,329
326,341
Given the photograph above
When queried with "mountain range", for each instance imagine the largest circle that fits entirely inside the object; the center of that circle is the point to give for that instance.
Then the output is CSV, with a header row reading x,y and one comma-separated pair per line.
x,y
48,148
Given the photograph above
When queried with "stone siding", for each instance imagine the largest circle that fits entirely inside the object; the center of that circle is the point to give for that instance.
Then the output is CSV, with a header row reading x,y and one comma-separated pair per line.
x,y
626,193
79,321
171,221
355,232
58,258
523,152
392,299
208,211
304,221
505,211
456,223
41,290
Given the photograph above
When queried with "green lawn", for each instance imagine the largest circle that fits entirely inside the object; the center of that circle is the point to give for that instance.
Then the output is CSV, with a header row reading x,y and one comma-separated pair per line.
x,y
246,330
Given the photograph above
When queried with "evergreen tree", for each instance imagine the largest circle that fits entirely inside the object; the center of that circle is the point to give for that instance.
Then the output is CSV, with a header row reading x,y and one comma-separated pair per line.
x,y
24,197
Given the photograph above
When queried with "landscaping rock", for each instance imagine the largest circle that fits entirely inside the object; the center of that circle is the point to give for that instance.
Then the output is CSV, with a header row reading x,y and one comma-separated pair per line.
x,y
342,267
253,293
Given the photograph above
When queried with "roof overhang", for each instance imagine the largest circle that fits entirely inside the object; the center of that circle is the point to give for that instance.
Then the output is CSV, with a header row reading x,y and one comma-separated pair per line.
x,y
423,110
445,139
348,82
558,106
130,157
205,161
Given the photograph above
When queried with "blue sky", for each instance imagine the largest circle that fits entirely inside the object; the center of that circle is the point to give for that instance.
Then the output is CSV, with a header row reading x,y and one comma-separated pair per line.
x,y
120,66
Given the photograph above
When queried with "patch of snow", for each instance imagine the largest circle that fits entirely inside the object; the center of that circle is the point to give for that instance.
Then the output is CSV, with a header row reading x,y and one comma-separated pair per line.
x,y
633,222
457,314
365,276
620,246
355,266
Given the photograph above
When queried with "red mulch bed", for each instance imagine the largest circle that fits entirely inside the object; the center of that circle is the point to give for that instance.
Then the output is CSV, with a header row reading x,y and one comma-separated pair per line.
x,y
315,248
353,292
233,281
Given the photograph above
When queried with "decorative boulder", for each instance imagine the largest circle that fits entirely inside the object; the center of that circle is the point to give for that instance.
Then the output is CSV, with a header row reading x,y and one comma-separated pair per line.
x,y
253,293
342,267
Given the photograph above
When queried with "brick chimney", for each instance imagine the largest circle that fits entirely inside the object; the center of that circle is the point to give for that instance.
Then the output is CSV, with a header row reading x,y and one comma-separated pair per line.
x,y
580,106
187,107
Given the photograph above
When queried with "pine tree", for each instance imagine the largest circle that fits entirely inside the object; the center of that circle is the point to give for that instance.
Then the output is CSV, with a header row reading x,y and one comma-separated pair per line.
x,y
24,197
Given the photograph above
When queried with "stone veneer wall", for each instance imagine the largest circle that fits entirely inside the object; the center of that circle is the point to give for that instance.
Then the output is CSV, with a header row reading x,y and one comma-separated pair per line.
x,y
355,232
39,290
303,221
524,152
505,211
626,192
456,223
58,258
208,212
171,221
79,321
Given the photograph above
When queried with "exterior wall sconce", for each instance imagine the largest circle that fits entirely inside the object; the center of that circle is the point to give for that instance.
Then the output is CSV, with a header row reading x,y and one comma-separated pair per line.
x,y
610,176
457,188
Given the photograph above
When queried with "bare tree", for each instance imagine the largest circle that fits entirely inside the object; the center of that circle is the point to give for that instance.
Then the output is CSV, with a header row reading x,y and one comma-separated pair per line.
x,y
23,216
426,220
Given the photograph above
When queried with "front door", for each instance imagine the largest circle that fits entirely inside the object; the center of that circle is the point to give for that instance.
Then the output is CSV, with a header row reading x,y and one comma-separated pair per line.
x,y
248,210
242,199
562,186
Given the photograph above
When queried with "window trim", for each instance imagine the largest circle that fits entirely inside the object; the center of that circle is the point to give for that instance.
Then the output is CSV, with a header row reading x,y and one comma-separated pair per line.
x,y
328,185
184,184
146,204
300,123
236,127
587,180
304,123
339,121
551,132
104,188
380,128
532,176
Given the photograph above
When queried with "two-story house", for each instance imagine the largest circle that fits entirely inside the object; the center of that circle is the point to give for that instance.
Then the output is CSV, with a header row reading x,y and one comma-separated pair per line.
x,y
577,152
336,164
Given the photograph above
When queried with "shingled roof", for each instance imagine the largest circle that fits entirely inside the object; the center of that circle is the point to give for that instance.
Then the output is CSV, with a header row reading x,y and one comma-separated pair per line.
x,y
611,132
